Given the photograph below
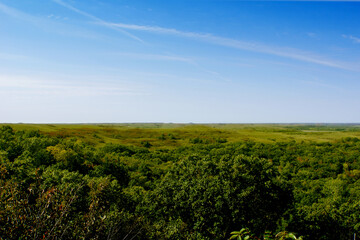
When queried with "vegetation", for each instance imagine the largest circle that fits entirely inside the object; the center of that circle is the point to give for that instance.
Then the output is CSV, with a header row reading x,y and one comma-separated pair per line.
x,y
244,234
173,181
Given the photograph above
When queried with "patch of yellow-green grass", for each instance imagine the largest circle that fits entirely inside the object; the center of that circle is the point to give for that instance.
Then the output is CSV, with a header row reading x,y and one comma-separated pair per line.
x,y
174,135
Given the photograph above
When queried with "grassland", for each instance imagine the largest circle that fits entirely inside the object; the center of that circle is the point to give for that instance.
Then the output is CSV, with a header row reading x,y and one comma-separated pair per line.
x,y
160,135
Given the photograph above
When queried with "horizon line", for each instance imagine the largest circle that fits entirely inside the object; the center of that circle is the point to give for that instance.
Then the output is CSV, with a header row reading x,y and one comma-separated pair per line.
x,y
184,123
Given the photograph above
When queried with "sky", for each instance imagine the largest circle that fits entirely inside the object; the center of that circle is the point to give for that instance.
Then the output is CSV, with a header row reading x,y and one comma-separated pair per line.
x,y
180,61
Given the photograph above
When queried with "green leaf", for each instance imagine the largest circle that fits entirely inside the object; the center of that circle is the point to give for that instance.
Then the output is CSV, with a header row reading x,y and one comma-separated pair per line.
x,y
291,235
242,230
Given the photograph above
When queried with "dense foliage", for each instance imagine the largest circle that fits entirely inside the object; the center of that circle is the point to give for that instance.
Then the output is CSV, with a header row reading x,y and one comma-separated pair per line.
x,y
55,186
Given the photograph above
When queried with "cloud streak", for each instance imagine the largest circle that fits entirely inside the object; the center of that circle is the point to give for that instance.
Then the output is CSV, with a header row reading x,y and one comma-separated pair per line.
x,y
48,24
35,20
290,53
18,14
98,20
6,56
304,0
156,57
355,39
29,86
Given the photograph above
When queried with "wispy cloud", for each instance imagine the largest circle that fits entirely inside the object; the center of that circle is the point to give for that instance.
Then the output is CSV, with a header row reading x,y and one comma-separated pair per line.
x,y
290,53
156,57
306,0
56,17
49,24
318,83
96,19
40,22
237,44
311,34
17,14
9,11
31,85
355,39
159,57
292,0
7,56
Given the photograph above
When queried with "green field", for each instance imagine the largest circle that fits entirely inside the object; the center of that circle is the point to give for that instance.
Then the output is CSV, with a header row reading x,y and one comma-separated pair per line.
x,y
158,133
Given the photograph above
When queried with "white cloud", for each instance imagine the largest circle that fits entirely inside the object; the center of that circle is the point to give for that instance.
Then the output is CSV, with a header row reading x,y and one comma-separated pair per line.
x,y
55,26
237,44
18,14
9,11
355,39
318,83
56,17
30,86
309,0
289,53
98,20
233,43
156,57
311,34
49,23
7,56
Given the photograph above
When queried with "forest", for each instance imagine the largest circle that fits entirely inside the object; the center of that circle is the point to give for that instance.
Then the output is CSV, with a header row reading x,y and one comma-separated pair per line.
x,y
179,181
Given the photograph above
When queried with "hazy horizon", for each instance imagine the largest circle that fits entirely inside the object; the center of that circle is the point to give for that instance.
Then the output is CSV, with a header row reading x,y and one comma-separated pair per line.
x,y
189,123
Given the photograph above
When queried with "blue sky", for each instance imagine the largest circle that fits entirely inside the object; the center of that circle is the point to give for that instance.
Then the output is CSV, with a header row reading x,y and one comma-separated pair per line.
x,y
200,61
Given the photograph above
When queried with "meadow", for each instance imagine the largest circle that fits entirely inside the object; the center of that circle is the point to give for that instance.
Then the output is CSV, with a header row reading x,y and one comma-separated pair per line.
x,y
180,134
